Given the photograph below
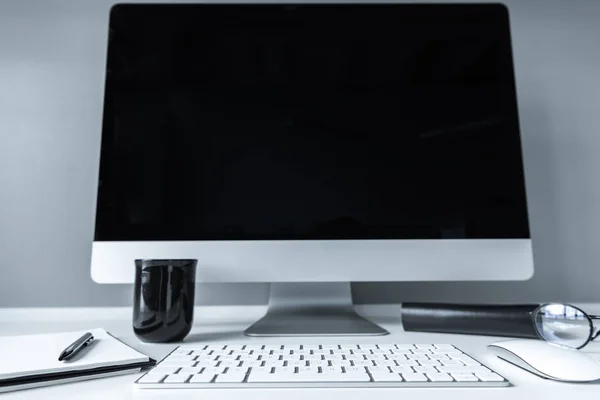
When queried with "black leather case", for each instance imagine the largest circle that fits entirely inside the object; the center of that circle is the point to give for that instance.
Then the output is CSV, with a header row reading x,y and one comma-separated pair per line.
x,y
494,320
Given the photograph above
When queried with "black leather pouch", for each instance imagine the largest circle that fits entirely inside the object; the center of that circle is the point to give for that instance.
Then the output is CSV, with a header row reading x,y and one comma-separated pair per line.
x,y
494,320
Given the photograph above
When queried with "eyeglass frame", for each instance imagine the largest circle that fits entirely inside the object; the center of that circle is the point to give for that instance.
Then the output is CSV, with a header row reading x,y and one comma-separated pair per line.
x,y
594,332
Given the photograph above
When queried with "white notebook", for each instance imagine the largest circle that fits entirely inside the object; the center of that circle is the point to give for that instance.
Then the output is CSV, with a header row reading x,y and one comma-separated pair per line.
x,y
32,360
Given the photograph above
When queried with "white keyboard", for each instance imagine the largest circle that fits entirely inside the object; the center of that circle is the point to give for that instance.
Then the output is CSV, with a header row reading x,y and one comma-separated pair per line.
x,y
358,365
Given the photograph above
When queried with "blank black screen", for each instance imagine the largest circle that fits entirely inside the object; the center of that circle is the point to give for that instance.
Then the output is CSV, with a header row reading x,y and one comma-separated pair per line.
x,y
256,122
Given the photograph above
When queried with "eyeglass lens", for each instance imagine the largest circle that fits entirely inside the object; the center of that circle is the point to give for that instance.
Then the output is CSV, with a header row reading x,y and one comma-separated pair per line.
x,y
563,324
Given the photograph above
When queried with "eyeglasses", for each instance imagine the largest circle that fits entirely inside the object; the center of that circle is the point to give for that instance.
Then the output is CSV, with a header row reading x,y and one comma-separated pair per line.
x,y
565,324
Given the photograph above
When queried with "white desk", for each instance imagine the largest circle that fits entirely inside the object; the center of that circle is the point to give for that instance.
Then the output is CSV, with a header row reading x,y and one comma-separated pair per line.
x,y
225,324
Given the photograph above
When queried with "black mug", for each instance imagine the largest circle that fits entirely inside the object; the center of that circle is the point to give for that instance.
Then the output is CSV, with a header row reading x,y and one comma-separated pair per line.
x,y
163,300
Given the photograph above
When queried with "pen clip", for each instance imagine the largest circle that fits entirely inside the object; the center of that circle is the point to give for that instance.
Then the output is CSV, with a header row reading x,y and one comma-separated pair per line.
x,y
76,346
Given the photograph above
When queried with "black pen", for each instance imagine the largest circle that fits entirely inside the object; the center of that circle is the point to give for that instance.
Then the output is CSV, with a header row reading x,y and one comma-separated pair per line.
x,y
76,346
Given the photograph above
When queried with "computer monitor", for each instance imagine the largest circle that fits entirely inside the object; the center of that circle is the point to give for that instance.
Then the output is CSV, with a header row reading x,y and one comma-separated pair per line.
x,y
311,146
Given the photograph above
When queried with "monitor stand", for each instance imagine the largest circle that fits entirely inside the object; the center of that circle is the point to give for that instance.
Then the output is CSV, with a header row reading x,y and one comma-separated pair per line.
x,y
312,309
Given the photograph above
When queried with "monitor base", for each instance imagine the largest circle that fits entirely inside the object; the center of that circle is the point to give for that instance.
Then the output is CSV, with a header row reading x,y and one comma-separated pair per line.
x,y
312,309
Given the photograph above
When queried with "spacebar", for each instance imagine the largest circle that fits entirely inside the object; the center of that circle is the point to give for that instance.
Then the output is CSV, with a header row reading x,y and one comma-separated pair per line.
x,y
299,377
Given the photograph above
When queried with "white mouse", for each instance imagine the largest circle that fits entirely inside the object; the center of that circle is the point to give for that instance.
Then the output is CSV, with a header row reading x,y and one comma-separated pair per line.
x,y
548,360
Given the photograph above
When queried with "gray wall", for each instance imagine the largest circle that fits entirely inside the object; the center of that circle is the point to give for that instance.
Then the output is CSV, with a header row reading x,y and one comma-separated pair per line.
x,y
51,81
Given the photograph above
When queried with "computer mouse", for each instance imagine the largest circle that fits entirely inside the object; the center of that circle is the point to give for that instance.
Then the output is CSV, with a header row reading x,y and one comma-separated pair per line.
x,y
548,360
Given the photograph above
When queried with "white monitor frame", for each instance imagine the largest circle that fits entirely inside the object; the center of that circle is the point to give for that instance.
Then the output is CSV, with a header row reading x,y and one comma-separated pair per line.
x,y
325,260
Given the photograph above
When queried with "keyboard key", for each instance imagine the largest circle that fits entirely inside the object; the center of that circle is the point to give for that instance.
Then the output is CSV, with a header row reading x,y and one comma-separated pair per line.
x,y
166,370
386,377
176,363
422,351
181,357
377,357
355,369
313,369
238,370
341,363
425,346
319,363
300,363
152,378
313,358
466,368
182,352
378,369
190,370
177,378
429,362
200,353
354,357
417,357
212,370
270,378
311,346
367,346
426,369
446,351
284,370
385,363
407,362
464,359
205,359
261,370
229,363
209,364
464,377
489,377
365,363
439,377
387,346
283,352
235,347
221,353
230,378
265,378
380,351
274,363
251,364
333,370
451,362
402,370
350,377
415,377
202,378
270,357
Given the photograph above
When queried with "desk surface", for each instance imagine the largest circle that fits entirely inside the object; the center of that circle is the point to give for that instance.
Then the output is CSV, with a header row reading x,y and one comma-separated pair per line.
x,y
225,324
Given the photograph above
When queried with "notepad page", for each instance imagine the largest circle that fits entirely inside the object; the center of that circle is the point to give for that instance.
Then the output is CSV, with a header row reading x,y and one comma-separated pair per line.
x,y
28,355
